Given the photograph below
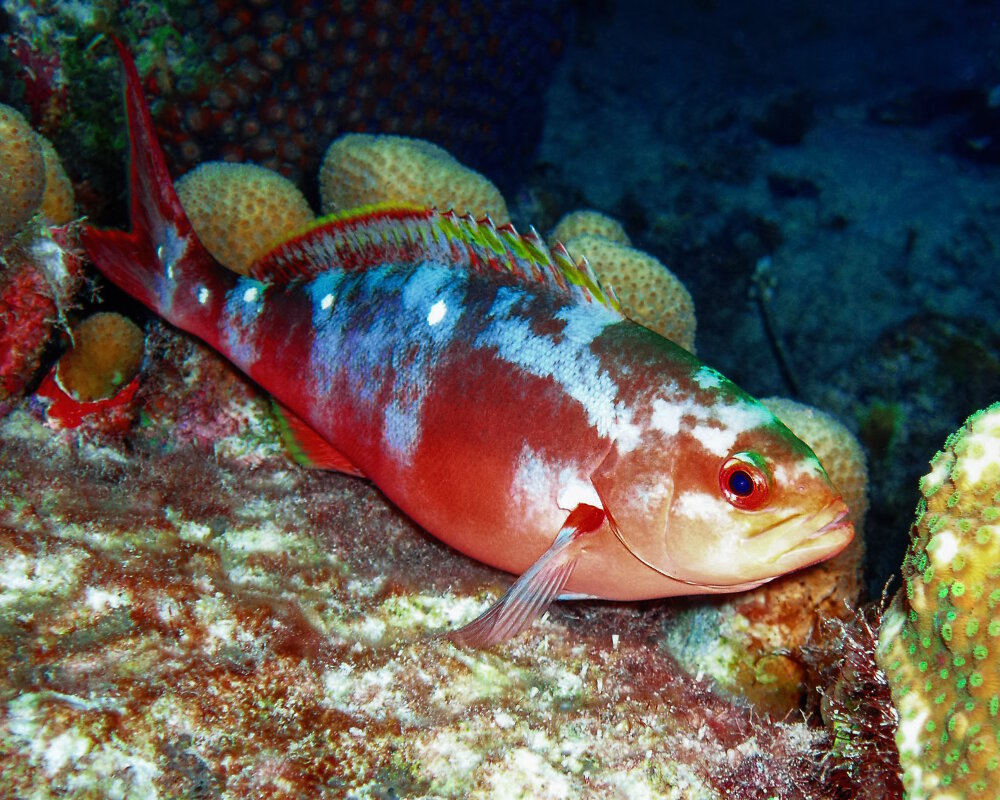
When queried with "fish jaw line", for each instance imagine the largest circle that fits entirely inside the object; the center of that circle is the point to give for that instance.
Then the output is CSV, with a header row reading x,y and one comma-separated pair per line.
x,y
833,533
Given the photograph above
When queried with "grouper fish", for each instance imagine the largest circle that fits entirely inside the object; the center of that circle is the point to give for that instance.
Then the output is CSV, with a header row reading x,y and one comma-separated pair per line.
x,y
493,390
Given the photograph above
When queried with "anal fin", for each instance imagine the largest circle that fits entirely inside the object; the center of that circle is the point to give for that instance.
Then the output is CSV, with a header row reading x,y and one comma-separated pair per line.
x,y
306,446
533,592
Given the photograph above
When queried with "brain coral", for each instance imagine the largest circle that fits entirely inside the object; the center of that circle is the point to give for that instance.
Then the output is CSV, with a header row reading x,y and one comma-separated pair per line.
x,y
940,639
22,171
360,169
586,220
240,211
650,293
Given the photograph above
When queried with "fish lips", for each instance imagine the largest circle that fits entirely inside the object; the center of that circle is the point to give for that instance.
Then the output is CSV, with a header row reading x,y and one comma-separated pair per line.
x,y
833,531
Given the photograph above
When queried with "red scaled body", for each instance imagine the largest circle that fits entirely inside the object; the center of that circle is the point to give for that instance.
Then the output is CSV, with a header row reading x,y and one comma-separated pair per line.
x,y
492,390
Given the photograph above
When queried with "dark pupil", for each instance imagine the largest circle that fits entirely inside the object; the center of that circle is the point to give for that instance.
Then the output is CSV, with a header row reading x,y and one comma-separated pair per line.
x,y
740,483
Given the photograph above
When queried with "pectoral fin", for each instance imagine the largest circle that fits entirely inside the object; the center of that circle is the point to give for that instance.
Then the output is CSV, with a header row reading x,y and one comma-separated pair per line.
x,y
307,447
535,590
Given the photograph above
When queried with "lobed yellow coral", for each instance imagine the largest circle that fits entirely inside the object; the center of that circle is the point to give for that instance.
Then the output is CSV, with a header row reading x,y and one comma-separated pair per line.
x,y
576,223
939,643
106,354
22,172
240,211
57,199
650,293
360,169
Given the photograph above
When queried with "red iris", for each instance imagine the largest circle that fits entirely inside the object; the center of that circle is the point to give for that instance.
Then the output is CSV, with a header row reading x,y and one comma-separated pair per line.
x,y
745,481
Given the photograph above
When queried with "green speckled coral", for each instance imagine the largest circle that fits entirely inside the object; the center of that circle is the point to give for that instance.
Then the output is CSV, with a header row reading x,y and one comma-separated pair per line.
x,y
940,638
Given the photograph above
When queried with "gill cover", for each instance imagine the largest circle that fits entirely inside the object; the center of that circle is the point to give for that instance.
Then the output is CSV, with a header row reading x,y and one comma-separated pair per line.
x,y
637,492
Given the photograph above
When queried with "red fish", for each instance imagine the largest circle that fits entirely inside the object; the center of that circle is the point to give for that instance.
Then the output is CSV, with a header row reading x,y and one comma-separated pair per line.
x,y
495,393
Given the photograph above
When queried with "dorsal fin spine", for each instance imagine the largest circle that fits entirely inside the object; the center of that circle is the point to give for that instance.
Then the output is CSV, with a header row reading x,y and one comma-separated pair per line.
x,y
405,234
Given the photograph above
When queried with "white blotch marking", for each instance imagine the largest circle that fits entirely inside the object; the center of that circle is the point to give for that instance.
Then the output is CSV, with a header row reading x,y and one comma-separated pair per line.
x,y
437,312
703,506
203,295
538,482
708,378
568,361
577,492
666,416
718,441
251,295
326,302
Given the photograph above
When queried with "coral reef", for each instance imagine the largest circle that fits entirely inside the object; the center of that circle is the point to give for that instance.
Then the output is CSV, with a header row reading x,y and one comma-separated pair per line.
x,y
239,211
39,272
22,172
649,293
273,82
587,220
57,206
106,354
360,169
938,642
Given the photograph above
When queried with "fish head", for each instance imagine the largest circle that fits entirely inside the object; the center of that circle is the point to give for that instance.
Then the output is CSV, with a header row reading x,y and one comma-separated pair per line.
x,y
724,506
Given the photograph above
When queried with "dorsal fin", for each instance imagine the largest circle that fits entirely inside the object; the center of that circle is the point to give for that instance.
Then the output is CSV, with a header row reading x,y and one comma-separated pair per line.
x,y
402,234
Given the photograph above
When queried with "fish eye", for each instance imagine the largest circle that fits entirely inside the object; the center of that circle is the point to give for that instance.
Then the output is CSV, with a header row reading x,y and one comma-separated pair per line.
x,y
745,481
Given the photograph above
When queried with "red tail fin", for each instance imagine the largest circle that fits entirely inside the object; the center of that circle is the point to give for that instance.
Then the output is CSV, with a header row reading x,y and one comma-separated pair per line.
x,y
162,250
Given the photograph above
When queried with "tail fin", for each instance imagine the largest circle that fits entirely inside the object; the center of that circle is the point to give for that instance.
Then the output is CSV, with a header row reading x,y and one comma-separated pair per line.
x,y
162,250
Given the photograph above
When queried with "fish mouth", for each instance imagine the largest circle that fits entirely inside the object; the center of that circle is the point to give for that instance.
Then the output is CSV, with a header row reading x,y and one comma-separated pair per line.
x,y
833,531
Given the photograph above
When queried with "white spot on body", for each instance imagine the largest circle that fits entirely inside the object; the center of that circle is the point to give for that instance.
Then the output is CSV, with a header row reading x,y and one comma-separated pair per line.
x,y
326,302
203,294
708,378
437,312
238,323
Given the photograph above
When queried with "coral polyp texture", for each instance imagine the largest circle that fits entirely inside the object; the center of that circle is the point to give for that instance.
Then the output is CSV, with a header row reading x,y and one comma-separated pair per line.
x,y
940,638
650,293
57,198
586,220
105,355
274,82
22,172
239,211
361,169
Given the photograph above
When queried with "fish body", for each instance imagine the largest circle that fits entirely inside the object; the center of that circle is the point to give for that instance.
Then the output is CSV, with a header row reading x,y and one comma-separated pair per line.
x,y
495,393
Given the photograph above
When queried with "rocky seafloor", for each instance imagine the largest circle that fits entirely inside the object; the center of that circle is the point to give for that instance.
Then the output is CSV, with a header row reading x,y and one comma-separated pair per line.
x,y
186,613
